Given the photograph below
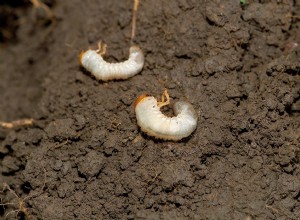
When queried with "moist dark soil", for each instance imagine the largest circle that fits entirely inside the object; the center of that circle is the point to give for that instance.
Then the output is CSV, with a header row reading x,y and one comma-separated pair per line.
x,y
84,157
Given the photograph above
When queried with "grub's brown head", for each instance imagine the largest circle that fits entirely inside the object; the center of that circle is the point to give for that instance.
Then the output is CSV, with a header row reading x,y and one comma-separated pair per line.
x,y
80,56
139,99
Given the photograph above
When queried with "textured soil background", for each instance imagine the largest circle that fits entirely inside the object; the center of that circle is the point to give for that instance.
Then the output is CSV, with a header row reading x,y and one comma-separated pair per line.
x,y
85,158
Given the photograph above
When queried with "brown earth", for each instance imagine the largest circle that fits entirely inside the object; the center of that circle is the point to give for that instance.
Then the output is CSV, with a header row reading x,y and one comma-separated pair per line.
x,y
85,157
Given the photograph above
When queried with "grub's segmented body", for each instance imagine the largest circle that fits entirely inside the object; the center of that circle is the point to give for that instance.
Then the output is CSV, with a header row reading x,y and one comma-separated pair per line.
x,y
153,122
93,62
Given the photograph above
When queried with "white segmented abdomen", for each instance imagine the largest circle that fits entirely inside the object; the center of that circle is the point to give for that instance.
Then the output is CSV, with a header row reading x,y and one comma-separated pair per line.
x,y
102,70
153,122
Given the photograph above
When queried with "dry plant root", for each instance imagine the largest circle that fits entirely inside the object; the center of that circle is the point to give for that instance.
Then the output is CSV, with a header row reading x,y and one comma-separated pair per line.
x,y
40,5
134,17
21,203
17,123
154,123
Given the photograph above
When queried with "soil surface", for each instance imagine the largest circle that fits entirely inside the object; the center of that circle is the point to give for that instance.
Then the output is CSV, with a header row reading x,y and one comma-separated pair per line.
x,y
84,156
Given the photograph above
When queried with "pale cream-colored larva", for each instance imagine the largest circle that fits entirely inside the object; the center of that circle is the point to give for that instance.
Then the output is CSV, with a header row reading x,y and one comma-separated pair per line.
x,y
154,123
93,62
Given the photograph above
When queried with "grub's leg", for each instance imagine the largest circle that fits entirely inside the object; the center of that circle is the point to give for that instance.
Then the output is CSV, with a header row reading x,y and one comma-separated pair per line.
x,y
101,48
163,102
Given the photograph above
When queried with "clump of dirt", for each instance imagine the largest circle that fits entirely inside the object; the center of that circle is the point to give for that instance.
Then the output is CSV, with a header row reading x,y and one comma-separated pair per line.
x,y
84,157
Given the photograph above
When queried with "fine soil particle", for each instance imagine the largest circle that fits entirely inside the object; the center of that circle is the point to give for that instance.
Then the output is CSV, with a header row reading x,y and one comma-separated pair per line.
x,y
84,157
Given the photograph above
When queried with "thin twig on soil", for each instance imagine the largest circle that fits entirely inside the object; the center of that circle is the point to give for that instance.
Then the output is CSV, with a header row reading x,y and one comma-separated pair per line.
x,y
39,4
134,17
17,123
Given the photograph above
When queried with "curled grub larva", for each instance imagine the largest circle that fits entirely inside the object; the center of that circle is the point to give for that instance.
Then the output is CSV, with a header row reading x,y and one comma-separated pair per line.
x,y
92,61
154,123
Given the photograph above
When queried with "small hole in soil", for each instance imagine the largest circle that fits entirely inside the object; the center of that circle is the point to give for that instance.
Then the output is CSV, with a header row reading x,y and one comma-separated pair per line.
x,y
245,46
293,107
21,216
2,210
9,19
8,24
293,72
297,196
210,22
184,56
26,187
14,3
81,175
177,205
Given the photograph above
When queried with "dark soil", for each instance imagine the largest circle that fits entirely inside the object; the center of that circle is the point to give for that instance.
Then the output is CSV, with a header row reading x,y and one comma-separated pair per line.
x,y
85,157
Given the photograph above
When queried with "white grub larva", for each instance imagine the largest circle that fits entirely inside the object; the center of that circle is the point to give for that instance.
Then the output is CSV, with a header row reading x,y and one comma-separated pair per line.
x,y
93,62
154,123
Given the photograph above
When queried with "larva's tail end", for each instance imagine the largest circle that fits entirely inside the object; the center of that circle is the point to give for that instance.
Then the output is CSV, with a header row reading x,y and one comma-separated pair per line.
x,y
80,57
139,99
136,53
134,48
